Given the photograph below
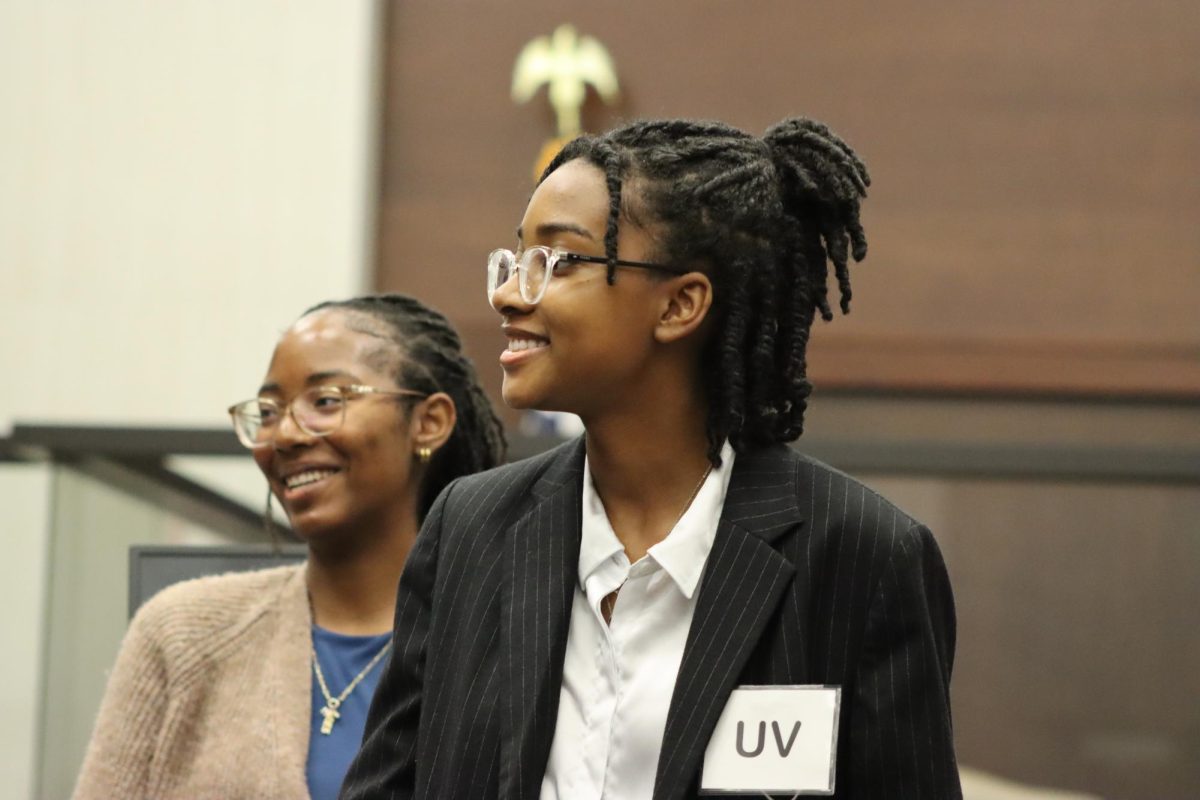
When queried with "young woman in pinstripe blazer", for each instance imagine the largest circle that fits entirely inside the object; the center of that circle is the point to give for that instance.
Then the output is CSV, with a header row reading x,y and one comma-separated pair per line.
x,y
572,626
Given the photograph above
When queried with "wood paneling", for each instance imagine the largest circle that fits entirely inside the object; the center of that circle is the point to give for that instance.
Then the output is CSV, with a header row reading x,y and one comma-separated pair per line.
x,y
1033,213
1077,653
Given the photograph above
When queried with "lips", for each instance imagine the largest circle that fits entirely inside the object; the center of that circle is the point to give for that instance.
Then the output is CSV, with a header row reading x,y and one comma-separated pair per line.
x,y
522,345
307,477
301,479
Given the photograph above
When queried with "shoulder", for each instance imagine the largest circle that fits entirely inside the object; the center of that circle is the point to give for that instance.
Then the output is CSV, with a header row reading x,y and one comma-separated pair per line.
x,y
829,487
839,510
858,522
196,613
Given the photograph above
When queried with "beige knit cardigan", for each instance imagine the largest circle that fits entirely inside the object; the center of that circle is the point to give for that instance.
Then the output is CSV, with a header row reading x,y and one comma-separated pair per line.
x,y
211,695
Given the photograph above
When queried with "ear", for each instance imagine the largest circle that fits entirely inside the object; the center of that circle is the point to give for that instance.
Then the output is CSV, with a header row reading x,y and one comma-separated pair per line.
x,y
432,422
686,302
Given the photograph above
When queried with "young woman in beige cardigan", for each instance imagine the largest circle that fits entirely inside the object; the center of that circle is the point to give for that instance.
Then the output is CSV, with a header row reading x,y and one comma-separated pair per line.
x,y
256,685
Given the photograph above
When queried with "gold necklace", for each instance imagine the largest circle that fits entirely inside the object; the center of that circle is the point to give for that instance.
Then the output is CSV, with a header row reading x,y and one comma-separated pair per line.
x,y
692,498
330,711
609,601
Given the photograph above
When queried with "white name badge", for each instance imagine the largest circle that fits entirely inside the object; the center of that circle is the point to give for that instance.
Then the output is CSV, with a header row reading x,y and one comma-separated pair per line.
x,y
774,740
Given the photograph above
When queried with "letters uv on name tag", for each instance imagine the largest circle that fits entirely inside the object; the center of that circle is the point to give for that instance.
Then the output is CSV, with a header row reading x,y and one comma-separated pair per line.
x,y
774,740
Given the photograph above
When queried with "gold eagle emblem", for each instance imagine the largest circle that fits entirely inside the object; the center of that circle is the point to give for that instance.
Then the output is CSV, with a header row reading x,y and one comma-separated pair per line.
x,y
566,63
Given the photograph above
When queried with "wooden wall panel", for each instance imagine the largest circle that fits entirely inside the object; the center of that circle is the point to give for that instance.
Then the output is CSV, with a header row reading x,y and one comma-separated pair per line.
x,y
1077,652
1033,214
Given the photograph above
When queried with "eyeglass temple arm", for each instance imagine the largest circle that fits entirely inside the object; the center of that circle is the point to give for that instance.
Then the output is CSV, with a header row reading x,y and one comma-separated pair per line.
x,y
623,263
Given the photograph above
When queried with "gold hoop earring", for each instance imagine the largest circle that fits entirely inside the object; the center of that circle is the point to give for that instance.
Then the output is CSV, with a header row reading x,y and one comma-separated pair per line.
x,y
425,454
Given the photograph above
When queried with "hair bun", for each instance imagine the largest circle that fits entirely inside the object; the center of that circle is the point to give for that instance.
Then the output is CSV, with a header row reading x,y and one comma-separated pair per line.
x,y
822,169
803,141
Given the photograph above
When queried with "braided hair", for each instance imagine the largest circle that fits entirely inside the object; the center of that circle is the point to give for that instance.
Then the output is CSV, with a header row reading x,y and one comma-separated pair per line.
x,y
428,357
762,217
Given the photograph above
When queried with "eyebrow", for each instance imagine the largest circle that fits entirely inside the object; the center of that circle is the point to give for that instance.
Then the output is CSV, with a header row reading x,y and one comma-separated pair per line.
x,y
312,380
548,229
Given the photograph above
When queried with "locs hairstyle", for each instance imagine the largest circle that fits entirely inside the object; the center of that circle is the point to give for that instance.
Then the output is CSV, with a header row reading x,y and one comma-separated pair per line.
x,y
762,217
426,354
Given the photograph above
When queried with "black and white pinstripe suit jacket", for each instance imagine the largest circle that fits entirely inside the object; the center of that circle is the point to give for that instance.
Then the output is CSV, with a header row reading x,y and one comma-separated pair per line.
x,y
812,579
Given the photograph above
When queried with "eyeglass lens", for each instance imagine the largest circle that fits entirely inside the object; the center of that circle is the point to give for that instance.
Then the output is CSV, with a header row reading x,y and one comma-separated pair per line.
x,y
533,272
318,412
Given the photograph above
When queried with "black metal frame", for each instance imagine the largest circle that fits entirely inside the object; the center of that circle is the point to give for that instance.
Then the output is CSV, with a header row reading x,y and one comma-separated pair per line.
x,y
134,460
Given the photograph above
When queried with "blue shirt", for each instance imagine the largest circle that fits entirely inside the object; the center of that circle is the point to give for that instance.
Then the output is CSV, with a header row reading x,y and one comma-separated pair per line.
x,y
341,657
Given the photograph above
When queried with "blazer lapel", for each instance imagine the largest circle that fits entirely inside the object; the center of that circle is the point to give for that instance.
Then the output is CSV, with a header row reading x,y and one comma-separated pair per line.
x,y
744,580
541,556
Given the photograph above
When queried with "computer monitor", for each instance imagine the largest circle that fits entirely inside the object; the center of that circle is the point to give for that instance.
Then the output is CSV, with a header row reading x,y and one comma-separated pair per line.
x,y
152,568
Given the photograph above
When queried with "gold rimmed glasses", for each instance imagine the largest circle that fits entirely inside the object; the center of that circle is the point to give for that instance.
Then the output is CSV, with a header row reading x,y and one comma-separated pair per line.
x,y
318,411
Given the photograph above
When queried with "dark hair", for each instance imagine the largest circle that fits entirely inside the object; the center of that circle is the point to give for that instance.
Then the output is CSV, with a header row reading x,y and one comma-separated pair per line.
x,y
429,358
761,217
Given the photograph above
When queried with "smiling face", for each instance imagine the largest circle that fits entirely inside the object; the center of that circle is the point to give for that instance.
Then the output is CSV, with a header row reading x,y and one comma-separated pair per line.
x,y
585,338
358,479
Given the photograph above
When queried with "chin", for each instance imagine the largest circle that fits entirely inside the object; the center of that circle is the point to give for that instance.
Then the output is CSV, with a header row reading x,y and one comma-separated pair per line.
x,y
516,397
312,529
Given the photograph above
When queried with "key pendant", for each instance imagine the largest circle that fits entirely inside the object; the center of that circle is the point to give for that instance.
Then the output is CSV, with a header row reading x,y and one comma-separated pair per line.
x,y
330,713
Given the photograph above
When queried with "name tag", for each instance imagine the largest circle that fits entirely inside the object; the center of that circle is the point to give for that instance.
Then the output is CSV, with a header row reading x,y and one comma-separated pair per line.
x,y
774,740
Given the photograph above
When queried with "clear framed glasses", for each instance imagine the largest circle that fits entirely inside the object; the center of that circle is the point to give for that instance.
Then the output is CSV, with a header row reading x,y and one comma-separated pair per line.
x,y
535,267
318,411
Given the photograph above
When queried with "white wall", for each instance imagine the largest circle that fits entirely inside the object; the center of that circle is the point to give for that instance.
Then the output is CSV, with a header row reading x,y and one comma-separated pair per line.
x,y
24,494
178,181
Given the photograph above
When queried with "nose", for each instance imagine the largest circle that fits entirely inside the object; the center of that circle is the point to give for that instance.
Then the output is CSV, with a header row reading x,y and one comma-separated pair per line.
x,y
507,300
288,433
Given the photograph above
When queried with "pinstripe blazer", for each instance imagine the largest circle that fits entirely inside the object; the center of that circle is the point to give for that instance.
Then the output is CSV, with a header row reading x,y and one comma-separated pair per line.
x,y
812,579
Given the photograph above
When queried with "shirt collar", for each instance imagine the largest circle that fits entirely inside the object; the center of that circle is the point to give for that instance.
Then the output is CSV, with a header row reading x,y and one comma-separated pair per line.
x,y
684,552
598,542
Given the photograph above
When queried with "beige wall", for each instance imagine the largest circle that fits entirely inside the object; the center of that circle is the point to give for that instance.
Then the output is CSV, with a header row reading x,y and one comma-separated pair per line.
x,y
177,182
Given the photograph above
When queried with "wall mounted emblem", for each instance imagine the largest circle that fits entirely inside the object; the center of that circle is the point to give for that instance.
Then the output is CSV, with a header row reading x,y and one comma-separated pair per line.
x,y
566,63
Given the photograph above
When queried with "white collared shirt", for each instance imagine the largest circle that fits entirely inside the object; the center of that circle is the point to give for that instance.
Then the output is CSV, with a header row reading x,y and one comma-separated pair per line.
x,y
618,678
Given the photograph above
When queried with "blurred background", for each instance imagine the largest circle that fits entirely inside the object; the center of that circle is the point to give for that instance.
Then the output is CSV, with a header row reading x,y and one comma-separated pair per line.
x,y
1021,370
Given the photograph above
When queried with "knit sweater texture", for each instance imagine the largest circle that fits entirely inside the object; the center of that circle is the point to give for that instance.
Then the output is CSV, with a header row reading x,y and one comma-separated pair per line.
x,y
211,694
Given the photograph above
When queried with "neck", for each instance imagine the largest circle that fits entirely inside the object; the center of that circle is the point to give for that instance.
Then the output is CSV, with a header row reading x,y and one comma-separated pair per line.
x,y
353,590
647,465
